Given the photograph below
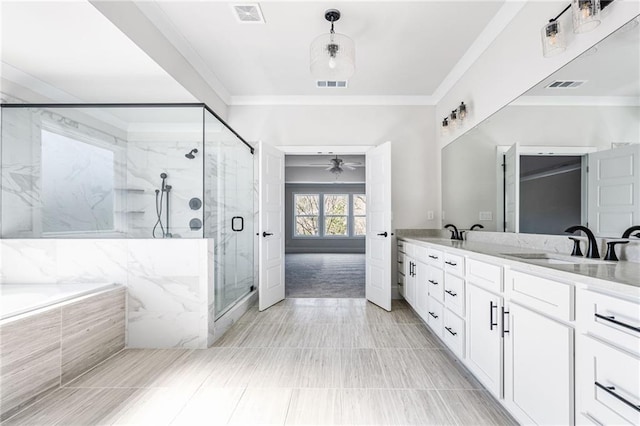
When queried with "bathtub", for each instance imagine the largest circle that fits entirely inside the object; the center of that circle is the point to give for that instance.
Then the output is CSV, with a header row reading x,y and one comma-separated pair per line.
x,y
51,334
16,299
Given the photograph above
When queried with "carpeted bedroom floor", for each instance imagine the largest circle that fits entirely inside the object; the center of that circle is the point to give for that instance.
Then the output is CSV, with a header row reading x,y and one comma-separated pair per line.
x,y
324,275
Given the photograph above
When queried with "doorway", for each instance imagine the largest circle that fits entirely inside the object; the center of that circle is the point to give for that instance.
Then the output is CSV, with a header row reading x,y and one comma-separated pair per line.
x,y
325,226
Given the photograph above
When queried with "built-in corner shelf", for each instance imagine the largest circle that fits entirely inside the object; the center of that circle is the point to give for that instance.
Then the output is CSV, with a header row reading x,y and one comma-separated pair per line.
x,y
130,211
139,190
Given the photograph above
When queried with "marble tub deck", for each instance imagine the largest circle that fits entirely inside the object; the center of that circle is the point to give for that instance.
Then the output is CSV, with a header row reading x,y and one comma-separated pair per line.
x,y
303,361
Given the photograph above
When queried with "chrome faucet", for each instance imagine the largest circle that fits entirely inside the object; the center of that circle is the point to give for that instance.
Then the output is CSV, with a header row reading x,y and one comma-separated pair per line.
x,y
592,247
455,234
476,225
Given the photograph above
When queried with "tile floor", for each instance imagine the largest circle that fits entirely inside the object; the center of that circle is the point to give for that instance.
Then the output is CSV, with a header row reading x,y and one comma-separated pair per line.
x,y
303,361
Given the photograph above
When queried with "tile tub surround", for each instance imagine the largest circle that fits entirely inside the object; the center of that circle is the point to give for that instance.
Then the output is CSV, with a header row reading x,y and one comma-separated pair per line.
x,y
41,350
302,361
169,281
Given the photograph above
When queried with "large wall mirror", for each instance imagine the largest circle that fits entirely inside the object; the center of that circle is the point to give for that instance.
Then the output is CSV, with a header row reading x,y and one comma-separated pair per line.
x,y
566,152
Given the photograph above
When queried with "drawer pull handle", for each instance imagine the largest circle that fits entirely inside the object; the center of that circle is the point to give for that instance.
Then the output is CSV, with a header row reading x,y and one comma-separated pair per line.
x,y
491,323
433,314
433,282
620,323
450,263
449,330
610,390
451,293
433,257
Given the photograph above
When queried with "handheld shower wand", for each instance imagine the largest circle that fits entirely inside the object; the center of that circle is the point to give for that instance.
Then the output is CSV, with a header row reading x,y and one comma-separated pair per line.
x,y
164,188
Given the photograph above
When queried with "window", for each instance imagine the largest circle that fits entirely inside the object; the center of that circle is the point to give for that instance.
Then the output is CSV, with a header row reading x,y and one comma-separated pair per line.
x,y
307,214
329,215
77,185
359,214
336,215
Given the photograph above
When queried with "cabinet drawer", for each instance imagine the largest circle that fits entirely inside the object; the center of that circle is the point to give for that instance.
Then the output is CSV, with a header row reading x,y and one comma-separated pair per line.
x,y
551,297
435,316
454,264
401,260
421,254
436,257
454,293
606,378
484,275
401,244
410,249
453,333
436,283
610,318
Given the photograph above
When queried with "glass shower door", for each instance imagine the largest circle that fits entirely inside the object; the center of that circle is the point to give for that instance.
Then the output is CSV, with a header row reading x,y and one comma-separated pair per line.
x,y
229,211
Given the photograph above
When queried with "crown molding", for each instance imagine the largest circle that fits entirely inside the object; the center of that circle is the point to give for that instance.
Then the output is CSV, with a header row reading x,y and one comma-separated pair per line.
x,y
576,101
313,100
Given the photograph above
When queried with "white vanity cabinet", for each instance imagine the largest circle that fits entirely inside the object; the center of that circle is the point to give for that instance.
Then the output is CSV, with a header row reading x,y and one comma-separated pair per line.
x,y
538,350
551,349
484,337
608,366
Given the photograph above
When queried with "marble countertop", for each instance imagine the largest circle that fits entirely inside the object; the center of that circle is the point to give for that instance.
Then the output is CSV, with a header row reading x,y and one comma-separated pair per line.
x,y
620,277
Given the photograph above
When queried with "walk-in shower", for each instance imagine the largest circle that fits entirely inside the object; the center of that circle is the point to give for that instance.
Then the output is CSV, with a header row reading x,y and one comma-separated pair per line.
x,y
131,171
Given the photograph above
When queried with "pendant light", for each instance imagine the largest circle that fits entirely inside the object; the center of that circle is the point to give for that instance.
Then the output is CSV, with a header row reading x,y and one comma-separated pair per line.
x,y
332,54
586,15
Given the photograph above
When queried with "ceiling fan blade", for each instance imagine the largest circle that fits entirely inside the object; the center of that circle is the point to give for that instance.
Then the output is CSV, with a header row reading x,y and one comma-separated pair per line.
x,y
352,164
348,167
329,168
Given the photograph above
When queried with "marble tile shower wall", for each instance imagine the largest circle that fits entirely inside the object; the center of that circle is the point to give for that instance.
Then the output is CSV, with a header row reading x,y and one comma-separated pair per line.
x,y
27,211
146,160
168,281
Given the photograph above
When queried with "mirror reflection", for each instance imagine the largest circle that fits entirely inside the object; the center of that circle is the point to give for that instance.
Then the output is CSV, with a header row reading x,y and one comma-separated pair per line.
x,y
566,152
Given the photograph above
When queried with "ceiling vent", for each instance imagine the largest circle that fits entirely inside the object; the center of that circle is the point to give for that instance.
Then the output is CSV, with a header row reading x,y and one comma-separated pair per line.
x,y
331,84
565,84
248,13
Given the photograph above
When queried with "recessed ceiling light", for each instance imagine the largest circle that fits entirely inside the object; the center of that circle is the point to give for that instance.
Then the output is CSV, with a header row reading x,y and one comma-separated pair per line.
x,y
248,13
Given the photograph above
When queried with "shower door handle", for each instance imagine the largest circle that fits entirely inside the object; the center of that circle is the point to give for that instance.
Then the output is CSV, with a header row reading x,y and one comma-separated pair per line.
x,y
266,234
233,224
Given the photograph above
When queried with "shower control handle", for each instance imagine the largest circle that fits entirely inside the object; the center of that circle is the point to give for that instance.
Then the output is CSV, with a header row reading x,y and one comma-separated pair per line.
x,y
233,224
266,234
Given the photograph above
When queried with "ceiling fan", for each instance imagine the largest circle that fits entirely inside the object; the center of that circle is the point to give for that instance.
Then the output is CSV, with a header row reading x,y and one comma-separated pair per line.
x,y
337,165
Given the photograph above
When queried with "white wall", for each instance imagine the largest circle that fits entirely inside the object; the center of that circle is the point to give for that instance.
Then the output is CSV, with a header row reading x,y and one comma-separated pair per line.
x,y
415,154
514,62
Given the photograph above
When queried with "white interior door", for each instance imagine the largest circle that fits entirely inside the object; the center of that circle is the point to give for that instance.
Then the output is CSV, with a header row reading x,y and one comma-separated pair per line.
x,y
271,225
614,190
512,189
378,239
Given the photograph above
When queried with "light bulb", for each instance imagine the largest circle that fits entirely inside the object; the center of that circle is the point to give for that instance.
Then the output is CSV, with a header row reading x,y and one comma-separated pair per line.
x,y
553,39
586,10
332,62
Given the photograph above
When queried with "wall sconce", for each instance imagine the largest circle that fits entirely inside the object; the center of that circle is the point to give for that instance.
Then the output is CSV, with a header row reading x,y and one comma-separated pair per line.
x,y
445,126
586,17
462,112
553,41
455,119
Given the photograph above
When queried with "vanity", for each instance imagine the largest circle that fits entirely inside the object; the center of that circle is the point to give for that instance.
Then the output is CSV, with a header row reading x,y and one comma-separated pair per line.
x,y
555,342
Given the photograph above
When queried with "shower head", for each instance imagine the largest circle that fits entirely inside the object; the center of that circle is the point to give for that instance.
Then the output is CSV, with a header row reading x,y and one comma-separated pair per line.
x,y
190,155
163,175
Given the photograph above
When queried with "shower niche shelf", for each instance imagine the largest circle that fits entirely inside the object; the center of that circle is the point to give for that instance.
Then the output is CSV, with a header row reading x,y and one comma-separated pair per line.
x,y
139,190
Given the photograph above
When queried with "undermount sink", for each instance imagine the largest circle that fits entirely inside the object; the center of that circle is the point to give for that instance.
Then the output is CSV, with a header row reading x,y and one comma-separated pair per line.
x,y
555,259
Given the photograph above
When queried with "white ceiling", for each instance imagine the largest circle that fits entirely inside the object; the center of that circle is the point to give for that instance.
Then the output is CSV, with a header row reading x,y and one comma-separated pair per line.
x,y
73,53
403,48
